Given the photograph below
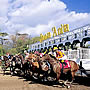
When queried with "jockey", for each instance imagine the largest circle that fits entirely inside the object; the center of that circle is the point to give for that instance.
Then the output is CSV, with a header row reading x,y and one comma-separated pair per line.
x,y
59,54
8,55
45,52
41,53
63,56
50,51
26,54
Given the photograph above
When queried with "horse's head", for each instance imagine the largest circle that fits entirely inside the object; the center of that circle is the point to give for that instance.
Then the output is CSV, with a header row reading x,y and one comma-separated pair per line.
x,y
31,57
44,66
7,63
18,59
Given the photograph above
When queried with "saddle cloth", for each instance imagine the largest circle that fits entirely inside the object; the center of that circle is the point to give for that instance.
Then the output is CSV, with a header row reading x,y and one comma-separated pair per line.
x,y
65,66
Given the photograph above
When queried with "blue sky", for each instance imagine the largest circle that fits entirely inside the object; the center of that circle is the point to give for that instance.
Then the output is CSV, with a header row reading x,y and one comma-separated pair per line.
x,y
78,5
39,16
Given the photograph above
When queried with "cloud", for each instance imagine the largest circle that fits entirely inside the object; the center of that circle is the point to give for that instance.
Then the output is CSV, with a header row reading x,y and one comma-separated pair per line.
x,y
3,7
35,17
41,13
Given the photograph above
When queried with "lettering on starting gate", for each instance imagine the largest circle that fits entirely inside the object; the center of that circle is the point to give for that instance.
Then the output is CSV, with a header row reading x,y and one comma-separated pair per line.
x,y
54,31
44,37
59,31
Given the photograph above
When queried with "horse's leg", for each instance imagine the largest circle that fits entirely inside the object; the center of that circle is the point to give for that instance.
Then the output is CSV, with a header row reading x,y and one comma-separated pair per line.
x,y
23,69
58,76
73,74
65,83
10,69
3,69
13,70
66,78
44,77
3,72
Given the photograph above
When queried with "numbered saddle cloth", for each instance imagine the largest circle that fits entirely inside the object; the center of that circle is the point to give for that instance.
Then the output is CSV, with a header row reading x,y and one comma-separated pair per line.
x,y
66,64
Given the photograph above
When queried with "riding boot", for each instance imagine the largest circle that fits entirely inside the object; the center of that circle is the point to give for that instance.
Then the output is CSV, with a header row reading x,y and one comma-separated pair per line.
x,y
65,63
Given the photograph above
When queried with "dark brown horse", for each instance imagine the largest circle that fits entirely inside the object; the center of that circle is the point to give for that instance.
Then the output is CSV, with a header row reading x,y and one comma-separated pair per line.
x,y
6,63
35,66
28,64
16,63
55,64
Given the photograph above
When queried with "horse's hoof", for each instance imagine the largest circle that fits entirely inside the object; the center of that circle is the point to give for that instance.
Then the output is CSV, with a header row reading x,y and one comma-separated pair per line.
x,y
11,73
68,86
63,86
42,80
45,80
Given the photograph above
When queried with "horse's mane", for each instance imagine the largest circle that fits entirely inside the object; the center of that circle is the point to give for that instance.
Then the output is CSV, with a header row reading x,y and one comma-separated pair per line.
x,y
48,58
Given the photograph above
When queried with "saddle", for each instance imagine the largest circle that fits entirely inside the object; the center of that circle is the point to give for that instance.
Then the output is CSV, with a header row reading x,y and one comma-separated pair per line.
x,y
65,64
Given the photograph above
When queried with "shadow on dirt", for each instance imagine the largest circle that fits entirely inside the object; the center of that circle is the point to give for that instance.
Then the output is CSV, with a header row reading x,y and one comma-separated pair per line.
x,y
82,80
79,80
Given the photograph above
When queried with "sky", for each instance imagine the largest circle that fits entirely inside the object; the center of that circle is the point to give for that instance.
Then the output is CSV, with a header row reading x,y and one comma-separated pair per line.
x,y
79,6
39,16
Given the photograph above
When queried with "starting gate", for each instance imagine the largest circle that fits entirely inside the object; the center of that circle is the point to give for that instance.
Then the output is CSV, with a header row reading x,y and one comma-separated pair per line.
x,y
82,57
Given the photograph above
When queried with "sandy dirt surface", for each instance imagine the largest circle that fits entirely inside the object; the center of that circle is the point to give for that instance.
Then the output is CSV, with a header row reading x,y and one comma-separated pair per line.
x,y
20,83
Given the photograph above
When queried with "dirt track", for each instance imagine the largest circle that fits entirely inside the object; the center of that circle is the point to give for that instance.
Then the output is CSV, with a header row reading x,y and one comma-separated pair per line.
x,y
19,83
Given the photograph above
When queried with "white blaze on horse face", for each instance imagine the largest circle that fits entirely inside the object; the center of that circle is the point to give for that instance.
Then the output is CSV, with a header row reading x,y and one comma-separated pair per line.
x,y
13,63
44,66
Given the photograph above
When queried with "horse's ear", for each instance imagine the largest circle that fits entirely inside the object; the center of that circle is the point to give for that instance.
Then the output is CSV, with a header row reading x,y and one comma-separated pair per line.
x,y
32,55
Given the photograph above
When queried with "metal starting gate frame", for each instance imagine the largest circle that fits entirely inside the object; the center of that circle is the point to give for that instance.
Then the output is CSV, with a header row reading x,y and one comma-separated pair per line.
x,y
82,57
80,53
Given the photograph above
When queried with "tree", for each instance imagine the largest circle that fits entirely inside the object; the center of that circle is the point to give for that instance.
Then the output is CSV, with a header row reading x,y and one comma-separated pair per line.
x,y
21,42
2,51
35,39
13,38
3,34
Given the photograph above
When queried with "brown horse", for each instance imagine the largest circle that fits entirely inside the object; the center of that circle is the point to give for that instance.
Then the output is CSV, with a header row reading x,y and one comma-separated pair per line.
x,y
55,64
16,63
35,67
29,64
6,63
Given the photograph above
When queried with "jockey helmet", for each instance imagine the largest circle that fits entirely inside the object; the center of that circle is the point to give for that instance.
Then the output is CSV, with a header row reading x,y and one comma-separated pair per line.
x,y
55,48
60,48
50,49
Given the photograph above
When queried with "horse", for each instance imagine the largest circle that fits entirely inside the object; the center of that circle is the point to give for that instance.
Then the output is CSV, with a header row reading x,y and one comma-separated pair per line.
x,y
54,64
16,63
6,63
35,67
31,64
